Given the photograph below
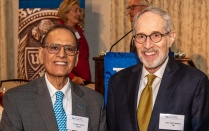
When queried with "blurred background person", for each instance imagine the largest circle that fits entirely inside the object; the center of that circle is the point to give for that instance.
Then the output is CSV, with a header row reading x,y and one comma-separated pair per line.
x,y
70,13
134,7
81,22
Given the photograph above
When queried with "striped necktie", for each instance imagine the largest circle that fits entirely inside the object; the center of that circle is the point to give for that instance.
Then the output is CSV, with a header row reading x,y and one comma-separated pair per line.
x,y
60,112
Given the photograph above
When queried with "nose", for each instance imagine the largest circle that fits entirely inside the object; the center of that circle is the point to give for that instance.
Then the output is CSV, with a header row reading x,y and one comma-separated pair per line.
x,y
61,53
129,11
148,43
79,12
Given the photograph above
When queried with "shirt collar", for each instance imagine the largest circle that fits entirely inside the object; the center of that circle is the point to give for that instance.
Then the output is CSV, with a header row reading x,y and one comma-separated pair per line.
x,y
52,90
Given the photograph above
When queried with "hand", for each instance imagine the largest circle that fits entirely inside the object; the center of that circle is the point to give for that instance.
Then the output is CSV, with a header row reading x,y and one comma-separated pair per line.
x,y
78,80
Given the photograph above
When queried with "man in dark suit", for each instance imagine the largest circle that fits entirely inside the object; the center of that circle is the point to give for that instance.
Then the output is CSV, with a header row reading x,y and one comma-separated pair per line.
x,y
178,96
35,106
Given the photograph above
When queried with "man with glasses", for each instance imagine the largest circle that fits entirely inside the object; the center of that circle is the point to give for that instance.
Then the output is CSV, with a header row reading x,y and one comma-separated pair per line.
x,y
53,102
134,7
159,93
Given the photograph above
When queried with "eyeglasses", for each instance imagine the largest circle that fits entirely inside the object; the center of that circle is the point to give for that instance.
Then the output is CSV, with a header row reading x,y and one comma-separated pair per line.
x,y
155,37
55,48
132,7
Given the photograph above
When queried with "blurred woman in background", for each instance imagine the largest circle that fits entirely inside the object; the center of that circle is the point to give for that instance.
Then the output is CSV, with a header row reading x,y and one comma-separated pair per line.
x,y
70,13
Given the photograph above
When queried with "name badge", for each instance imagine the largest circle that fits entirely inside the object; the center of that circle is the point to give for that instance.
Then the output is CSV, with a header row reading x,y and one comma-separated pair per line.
x,y
77,123
117,69
171,122
77,35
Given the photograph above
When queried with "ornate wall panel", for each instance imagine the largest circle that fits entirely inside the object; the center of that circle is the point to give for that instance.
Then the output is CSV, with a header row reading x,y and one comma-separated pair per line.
x,y
33,24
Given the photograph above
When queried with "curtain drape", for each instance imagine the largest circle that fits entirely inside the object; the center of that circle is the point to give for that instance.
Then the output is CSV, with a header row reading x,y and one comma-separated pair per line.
x,y
8,35
120,25
190,18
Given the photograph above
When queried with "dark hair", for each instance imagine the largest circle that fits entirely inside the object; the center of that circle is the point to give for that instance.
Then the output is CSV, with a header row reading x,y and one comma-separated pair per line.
x,y
58,26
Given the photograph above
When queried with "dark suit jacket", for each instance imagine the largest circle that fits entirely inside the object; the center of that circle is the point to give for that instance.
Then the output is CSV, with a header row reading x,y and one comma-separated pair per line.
x,y
184,90
29,108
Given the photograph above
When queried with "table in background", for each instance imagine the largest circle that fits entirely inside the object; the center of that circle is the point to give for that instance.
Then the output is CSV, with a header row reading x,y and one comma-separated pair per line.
x,y
186,61
99,74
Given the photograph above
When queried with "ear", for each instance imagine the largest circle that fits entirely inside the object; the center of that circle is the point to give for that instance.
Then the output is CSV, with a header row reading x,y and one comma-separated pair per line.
x,y
76,58
40,55
172,36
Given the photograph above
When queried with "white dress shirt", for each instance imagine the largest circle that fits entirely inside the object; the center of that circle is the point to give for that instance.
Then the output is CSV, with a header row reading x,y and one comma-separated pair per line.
x,y
155,84
67,99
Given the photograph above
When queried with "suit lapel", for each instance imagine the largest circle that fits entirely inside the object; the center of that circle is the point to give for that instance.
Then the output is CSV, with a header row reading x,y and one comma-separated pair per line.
x,y
167,87
43,101
133,87
78,104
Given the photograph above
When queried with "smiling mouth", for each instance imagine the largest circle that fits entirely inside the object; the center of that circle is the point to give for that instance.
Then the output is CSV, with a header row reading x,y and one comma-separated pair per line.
x,y
77,18
60,63
149,53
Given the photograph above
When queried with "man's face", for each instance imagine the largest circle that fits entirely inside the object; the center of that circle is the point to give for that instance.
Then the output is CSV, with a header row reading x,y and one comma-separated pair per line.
x,y
59,64
134,7
152,54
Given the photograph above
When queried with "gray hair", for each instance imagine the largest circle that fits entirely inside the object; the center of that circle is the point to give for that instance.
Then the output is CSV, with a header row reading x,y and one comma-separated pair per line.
x,y
168,22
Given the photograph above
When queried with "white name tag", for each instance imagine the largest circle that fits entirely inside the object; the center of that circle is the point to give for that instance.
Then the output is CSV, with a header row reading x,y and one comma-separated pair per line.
x,y
171,122
117,69
77,35
77,123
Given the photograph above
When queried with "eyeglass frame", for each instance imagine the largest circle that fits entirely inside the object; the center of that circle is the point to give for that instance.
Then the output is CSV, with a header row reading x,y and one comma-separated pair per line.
x,y
162,35
132,7
61,45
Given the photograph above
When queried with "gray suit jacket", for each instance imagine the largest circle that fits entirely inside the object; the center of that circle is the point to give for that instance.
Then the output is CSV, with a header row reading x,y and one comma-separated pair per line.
x,y
184,90
29,108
